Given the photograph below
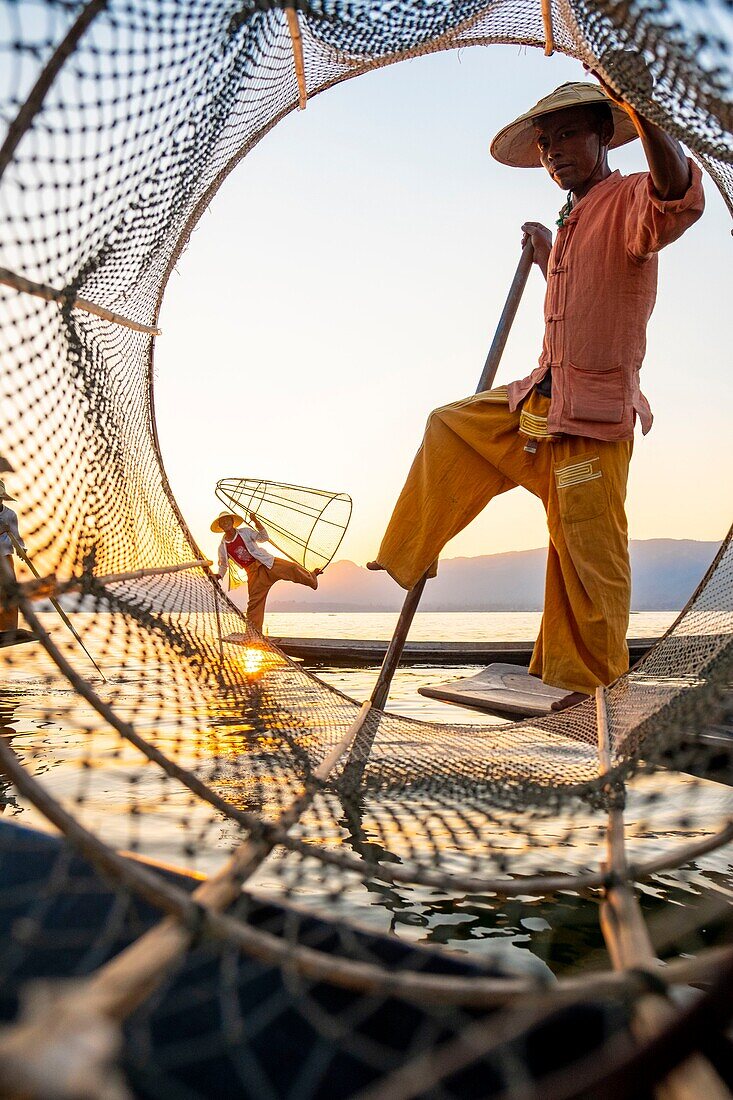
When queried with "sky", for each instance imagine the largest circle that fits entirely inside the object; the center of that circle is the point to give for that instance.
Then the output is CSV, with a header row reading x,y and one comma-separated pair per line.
x,y
348,277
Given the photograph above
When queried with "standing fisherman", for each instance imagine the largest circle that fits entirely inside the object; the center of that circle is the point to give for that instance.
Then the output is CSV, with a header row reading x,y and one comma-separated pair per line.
x,y
566,431
8,526
263,569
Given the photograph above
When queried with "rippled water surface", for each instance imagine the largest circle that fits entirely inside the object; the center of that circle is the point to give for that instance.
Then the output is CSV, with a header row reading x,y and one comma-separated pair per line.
x,y
62,740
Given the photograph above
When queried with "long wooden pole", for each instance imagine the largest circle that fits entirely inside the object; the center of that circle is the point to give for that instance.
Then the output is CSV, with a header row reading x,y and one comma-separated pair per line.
x,y
44,587
513,298
486,381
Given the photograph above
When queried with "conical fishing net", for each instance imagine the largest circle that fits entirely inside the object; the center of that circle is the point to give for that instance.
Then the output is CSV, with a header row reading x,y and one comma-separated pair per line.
x,y
334,837
306,524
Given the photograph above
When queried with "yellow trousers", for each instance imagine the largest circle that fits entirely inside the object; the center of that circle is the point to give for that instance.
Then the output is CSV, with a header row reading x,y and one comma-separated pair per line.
x,y
472,451
260,580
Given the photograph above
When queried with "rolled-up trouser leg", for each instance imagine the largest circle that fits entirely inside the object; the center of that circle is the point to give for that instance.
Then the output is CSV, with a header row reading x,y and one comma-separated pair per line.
x,y
282,570
258,585
453,476
260,580
582,641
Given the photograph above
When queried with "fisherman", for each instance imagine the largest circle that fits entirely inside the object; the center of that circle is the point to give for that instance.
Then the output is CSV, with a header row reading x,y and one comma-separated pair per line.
x,y
8,528
244,547
565,432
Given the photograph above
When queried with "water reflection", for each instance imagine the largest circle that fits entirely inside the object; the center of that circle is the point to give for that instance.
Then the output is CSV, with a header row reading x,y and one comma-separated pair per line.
x,y
254,736
7,732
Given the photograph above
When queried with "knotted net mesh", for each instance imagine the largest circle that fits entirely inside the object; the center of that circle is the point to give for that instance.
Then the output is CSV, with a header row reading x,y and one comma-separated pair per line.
x,y
121,120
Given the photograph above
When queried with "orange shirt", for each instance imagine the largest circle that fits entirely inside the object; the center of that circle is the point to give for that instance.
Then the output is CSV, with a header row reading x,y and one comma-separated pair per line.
x,y
601,289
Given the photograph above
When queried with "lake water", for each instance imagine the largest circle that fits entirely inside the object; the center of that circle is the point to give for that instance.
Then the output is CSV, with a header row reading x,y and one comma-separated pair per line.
x,y
60,737
438,626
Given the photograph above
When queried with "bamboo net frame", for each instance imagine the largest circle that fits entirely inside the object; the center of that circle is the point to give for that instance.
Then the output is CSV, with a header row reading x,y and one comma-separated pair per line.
x,y
129,979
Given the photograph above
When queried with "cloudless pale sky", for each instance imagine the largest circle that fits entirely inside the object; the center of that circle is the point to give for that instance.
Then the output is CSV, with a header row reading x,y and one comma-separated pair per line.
x,y
348,278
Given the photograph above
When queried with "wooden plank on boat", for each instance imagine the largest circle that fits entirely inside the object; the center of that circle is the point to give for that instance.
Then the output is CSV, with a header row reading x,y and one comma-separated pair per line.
x,y
351,652
16,637
502,689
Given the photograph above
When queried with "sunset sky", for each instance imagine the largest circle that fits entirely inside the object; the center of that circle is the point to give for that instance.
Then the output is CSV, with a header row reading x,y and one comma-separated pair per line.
x,y
348,278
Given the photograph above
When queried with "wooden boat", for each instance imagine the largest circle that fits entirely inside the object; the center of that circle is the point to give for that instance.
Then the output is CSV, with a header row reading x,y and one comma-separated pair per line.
x,y
351,652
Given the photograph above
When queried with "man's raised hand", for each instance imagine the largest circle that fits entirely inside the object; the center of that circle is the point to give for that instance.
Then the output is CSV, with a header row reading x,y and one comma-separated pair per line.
x,y
541,239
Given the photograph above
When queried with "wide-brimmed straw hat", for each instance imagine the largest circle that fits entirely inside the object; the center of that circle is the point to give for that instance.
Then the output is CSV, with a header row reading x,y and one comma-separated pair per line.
x,y
516,144
3,494
216,525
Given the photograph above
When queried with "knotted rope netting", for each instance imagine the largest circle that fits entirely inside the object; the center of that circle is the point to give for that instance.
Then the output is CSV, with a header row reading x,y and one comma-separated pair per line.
x,y
122,119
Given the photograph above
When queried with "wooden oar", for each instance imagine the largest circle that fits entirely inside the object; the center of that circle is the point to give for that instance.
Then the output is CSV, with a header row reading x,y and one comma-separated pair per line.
x,y
486,381
57,606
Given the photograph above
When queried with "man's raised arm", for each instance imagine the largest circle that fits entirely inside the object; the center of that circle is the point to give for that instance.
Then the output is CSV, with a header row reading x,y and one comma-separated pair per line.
x,y
261,529
669,168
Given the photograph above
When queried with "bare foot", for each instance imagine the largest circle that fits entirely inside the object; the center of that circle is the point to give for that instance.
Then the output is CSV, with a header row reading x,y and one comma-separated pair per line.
x,y
570,700
374,565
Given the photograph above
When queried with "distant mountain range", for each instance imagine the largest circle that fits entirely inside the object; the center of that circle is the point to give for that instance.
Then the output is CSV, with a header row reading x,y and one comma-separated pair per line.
x,y
665,572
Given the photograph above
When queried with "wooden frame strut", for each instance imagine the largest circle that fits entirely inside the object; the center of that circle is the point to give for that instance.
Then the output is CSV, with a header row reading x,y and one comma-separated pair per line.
x,y
548,27
296,39
50,294
50,585
630,947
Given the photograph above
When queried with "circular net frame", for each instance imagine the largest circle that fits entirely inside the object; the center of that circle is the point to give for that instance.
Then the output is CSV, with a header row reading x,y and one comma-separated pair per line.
x,y
121,121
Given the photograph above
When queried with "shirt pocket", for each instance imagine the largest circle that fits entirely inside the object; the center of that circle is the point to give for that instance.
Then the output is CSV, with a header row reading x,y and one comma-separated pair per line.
x,y
597,395
581,492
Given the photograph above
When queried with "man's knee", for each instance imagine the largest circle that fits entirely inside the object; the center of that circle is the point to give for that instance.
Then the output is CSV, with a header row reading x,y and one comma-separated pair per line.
x,y
436,418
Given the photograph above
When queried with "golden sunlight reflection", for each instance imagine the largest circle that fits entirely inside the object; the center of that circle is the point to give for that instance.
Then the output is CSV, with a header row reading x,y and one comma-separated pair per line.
x,y
252,659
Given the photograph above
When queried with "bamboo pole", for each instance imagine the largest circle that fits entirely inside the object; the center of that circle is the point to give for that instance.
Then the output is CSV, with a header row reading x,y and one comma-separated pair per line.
x,y
357,761
509,312
50,294
41,588
629,945
397,644
296,40
548,27
218,623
